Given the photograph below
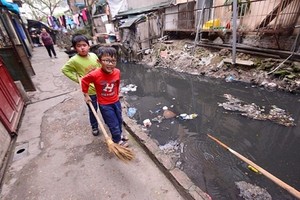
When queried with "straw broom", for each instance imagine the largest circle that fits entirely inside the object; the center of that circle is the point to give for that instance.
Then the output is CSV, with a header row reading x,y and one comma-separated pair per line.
x,y
121,152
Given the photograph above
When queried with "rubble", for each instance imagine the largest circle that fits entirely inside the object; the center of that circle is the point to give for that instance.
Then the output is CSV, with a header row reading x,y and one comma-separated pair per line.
x,y
250,192
253,111
172,148
182,56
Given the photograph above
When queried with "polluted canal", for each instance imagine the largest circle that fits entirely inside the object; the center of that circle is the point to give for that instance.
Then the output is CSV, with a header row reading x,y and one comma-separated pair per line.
x,y
178,110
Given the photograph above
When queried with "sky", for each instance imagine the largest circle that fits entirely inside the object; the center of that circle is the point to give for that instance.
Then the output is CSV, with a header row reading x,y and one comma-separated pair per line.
x,y
26,12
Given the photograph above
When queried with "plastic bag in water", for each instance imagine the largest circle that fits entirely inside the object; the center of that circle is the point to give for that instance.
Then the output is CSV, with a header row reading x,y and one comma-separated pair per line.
x,y
131,112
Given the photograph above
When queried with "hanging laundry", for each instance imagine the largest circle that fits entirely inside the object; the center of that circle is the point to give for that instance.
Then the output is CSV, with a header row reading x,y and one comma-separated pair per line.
x,y
55,23
75,19
50,21
69,22
81,21
60,21
64,21
84,14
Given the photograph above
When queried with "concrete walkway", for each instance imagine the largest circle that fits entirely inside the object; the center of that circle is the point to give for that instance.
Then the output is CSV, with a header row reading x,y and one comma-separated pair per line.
x,y
56,156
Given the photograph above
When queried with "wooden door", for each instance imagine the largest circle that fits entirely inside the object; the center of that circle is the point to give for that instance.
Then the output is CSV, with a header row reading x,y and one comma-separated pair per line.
x,y
11,102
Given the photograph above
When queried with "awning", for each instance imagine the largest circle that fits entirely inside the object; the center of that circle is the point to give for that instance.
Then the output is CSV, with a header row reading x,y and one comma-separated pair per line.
x,y
34,24
13,7
130,21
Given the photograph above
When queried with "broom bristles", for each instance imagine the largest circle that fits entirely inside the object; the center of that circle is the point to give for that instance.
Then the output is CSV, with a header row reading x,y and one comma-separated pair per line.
x,y
121,152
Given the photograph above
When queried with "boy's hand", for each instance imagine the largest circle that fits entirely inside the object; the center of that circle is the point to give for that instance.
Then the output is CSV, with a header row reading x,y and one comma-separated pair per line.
x,y
87,98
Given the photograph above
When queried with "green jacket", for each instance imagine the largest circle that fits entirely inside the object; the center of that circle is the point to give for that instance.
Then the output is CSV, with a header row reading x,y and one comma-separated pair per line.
x,y
80,66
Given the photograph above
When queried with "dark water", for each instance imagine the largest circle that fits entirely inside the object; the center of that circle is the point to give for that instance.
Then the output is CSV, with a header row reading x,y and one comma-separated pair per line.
x,y
274,147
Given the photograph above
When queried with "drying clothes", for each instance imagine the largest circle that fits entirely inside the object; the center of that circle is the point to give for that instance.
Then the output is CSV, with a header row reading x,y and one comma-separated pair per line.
x,y
75,19
50,21
84,15
69,22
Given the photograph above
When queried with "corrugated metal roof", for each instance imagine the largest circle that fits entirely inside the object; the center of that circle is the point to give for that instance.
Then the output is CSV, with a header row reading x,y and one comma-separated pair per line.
x,y
144,9
132,20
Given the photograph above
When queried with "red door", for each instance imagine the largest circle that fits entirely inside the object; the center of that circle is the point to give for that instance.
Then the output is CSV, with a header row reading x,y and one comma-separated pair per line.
x,y
11,103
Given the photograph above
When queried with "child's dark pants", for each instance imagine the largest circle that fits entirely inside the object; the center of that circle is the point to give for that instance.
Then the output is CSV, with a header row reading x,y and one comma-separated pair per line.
x,y
92,117
112,116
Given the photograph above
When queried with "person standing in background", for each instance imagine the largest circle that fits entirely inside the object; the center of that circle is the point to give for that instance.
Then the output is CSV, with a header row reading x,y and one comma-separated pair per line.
x,y
47,41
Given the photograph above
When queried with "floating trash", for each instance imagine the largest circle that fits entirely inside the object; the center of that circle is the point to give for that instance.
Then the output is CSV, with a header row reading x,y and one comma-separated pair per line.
x,y
129,88
253,111
250,192
250,167
147,123
168,114
185,116
230,78
171,148
131,112
157,119
157,111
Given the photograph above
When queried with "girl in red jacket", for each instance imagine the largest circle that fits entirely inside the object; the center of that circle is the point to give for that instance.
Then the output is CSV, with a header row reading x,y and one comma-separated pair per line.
x,y
107,84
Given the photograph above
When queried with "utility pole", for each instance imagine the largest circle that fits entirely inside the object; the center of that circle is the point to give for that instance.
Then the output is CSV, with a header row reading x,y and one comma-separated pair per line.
x,y
199,18
234,31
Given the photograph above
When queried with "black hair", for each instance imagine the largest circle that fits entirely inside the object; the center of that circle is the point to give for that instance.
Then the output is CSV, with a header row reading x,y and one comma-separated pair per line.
x,y
112,52
78,38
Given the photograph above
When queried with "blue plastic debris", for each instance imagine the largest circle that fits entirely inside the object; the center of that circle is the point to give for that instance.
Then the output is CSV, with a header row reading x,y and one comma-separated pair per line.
x,y
131,112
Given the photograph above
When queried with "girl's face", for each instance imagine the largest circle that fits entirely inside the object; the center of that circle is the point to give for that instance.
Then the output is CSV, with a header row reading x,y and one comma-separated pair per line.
x,y
108,63
82,48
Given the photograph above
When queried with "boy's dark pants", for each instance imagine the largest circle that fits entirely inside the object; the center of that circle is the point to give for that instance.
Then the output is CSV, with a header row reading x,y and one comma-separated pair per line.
x,y
49,49
112,116
93,120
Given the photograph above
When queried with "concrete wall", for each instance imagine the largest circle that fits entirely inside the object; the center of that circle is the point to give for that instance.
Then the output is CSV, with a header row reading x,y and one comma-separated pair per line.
x,y
260,9
5,140
257,13
180,17
171,18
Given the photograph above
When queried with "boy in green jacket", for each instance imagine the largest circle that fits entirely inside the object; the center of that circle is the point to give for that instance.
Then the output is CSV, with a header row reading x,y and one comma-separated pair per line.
x,y
78,66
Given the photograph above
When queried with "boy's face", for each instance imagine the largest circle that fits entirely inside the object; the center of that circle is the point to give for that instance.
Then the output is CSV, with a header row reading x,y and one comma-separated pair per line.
x,y
108,63
82,48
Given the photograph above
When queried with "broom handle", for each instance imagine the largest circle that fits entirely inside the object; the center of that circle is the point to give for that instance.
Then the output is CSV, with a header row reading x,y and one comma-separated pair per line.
x,y
98,120
102,128
276,180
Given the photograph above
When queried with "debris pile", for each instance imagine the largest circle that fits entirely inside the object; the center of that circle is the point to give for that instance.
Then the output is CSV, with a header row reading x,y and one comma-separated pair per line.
x,y
172,148
164,113
250,192
128,88
253,111
183,56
